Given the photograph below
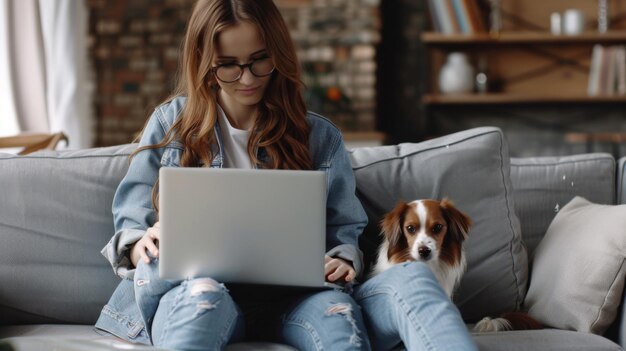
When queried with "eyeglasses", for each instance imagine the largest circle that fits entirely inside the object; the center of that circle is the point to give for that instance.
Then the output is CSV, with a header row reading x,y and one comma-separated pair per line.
x,y
231,72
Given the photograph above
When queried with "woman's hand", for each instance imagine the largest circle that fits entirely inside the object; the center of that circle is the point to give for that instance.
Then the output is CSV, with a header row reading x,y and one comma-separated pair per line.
x,y
337,268
148,242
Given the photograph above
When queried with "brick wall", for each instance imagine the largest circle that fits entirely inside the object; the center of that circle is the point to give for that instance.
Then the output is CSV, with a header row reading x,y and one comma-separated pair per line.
x,y
134,49
336,42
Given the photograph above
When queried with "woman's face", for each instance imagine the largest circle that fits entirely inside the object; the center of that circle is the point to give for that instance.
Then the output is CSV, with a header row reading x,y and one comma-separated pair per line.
x,y
242,44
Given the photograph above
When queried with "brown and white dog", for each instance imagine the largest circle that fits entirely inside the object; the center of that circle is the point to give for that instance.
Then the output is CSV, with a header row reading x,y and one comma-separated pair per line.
x,y
434,232
426,230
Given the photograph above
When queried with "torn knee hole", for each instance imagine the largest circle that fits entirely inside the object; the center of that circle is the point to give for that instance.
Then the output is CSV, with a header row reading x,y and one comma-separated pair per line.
x,y
345,309
205,305
339,308
201,286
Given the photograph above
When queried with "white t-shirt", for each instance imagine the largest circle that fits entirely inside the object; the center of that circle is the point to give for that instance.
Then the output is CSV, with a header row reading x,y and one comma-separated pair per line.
x,y
235,144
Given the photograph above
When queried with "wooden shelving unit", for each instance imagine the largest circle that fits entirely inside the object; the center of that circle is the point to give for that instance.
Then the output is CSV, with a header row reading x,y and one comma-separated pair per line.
x,y
535,77
529,64
534,67
523,37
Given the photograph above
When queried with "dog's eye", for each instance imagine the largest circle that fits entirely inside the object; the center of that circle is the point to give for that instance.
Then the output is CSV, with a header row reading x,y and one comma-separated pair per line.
x,y
410,228
437,228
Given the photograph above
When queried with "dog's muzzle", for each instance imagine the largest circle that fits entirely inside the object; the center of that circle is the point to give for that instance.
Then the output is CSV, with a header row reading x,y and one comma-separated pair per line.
x,y
424,252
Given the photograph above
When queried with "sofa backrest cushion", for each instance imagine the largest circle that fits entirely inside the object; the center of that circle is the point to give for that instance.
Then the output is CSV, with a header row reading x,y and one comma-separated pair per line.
x,y
542,185
471,168
55,217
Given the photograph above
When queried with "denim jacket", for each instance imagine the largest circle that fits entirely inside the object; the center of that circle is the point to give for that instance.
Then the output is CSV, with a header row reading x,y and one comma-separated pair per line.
x,y
133,212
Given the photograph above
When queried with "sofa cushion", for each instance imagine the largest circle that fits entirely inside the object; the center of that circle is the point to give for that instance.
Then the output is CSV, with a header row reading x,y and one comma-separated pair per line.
x,y
472,169
75,337
55,217
84,337
543,340
579,268
54,331
542,185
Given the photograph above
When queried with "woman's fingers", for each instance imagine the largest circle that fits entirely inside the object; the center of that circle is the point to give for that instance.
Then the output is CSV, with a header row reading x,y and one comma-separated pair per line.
x,y
142,252
341,272
148,243
335,275
351,275
336,269
154,232
150,246
330,265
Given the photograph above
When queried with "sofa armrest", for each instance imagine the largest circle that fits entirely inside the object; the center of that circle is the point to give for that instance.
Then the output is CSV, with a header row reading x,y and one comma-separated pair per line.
x,y
621,199
620,323
621,181
617,331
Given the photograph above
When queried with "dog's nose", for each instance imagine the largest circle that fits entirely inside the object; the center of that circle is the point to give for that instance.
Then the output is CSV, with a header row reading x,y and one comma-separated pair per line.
x,y
424,252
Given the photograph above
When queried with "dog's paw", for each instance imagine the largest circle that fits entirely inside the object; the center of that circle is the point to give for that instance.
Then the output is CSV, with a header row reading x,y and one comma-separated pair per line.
x,y
508,321
488,324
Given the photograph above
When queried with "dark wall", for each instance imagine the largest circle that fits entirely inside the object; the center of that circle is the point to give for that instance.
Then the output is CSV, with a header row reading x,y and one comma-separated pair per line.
x,y
402,68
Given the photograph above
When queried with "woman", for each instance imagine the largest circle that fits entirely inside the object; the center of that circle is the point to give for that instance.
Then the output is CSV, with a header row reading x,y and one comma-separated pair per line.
x,y
238,104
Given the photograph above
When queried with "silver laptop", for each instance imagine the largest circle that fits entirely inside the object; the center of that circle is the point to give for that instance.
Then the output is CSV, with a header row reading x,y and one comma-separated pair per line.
x,y
243,226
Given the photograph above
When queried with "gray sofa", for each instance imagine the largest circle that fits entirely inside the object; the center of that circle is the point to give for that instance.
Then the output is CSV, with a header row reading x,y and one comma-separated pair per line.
x,y
55,216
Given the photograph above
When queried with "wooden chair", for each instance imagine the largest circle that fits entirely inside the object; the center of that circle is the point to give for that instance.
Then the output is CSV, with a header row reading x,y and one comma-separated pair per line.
x,y
32,142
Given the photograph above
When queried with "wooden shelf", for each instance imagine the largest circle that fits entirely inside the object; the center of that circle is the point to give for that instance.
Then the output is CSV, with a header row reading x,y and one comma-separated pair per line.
x,y
590,137
368,136
523,37
503,99
363,139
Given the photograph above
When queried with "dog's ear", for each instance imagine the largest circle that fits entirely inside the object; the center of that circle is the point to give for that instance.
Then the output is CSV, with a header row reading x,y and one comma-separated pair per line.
x,y
391,225
458,222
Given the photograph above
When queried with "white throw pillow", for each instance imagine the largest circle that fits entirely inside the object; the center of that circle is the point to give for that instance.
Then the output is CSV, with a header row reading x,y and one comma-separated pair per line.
x,y
578,268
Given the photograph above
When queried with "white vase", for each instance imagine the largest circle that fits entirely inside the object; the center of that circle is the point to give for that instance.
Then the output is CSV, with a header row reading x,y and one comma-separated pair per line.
x,y
456,75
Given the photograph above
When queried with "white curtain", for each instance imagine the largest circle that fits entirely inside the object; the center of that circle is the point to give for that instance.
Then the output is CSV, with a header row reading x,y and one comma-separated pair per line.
x,y
28,66
47,50
8,115
68,93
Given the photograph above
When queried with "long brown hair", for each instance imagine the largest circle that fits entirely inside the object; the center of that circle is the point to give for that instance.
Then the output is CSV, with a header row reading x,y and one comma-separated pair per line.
x,y
281,127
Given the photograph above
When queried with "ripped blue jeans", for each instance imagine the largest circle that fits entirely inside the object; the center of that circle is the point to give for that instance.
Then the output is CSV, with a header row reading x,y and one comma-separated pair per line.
x,y
406,304
202,314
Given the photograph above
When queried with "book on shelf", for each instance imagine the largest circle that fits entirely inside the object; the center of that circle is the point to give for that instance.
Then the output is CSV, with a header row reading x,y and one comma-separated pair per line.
x,y
434,19
475,17
607,73
620,59
455,16
593,87
462,16
441,16
454,21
